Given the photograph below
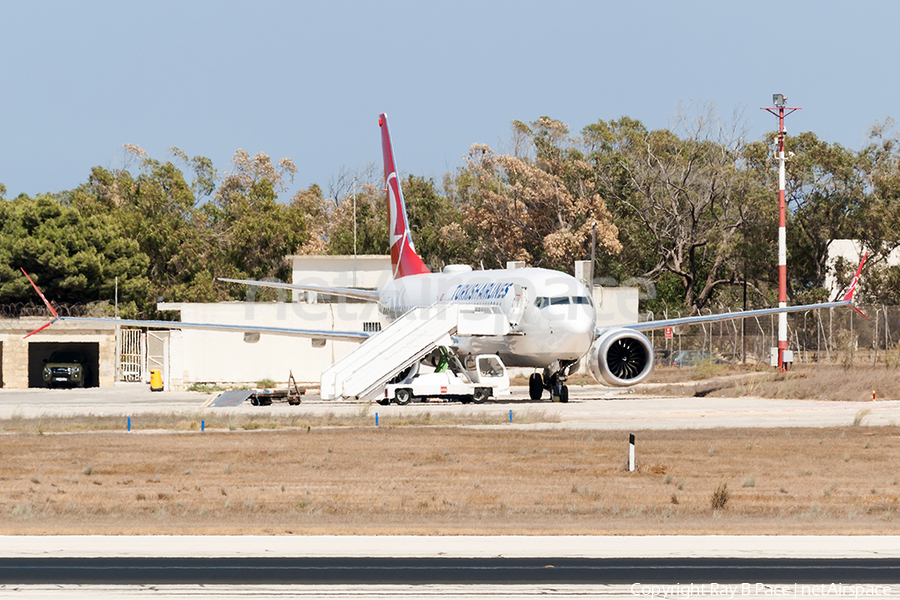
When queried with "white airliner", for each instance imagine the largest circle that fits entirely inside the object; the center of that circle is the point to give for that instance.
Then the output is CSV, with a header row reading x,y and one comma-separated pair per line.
x,y
551,315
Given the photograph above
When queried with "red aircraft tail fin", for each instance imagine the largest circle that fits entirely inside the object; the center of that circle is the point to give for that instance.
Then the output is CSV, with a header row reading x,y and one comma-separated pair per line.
x,y
404,260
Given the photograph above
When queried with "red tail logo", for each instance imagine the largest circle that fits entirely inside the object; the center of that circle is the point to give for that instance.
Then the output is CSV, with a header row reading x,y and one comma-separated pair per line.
x,y
404,259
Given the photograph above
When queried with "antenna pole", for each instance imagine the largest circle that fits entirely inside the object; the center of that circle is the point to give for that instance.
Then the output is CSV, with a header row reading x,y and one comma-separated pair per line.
x,y
781,111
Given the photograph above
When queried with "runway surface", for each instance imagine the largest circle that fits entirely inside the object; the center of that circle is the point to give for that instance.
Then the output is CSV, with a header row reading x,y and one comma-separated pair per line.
x,y
449,567
547,570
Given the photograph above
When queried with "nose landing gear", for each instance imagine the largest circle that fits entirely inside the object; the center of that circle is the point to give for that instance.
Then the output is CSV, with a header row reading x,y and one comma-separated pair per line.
x,y
559,391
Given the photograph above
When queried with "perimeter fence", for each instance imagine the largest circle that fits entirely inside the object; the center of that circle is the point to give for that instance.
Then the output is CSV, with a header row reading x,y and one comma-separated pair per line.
x,y
15,310
839,336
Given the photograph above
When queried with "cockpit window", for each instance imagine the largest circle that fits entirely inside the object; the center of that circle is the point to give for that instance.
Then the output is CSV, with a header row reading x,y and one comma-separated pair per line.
x,y
542,301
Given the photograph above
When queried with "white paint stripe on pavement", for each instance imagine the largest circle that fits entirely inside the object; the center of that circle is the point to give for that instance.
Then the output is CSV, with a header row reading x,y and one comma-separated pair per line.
x,y
687,546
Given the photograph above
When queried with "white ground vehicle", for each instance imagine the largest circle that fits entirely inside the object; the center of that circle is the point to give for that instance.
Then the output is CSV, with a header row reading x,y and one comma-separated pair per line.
x,y
476,378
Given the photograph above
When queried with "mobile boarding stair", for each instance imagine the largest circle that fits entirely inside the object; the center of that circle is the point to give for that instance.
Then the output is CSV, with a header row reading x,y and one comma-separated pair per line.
x,y
362,373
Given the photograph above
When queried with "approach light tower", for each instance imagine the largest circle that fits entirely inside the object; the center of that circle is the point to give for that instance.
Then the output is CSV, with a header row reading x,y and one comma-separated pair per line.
x,y
781,111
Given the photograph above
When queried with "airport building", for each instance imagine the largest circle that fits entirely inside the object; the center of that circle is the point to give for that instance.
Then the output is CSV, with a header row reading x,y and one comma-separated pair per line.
x,y
188,356
22,360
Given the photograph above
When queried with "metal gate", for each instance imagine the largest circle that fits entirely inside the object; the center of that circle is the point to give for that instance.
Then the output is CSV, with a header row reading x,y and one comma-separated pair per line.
x,y
158,354
132,355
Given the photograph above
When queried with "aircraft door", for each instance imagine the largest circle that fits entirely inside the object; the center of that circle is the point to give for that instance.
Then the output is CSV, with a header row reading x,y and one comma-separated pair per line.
x,y
517,307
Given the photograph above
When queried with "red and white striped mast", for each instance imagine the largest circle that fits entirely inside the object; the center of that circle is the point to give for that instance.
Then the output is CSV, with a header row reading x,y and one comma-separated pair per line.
x,y
781,111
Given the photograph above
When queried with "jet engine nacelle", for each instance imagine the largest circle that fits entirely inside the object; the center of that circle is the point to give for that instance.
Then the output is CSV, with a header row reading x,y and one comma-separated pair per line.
x,y
621,357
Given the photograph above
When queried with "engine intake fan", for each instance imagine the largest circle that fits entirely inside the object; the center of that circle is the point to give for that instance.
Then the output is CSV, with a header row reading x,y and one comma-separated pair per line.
x,y
621,357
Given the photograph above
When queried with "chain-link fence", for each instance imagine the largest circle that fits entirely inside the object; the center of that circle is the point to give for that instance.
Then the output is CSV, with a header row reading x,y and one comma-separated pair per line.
x,y
833,336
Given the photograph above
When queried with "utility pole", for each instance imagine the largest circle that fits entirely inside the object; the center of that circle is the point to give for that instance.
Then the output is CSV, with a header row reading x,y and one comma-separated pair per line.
x,y
354,231
781,111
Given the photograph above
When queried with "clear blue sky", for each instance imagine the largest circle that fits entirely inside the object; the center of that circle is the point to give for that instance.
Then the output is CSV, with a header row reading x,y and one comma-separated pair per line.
x,y
307,80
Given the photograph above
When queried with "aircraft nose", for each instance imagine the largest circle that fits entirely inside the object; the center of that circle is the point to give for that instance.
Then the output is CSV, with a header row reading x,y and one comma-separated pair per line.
x,y
578,327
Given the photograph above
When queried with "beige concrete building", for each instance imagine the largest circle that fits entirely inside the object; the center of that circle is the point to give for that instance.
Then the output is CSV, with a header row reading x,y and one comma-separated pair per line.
x,y
197,356
22,360
368,272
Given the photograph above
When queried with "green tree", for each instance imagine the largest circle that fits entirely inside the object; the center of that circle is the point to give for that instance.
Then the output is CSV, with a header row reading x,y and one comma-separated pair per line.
x,y
157,210
680,202
539,211
75,258
437,225
369,213
255,231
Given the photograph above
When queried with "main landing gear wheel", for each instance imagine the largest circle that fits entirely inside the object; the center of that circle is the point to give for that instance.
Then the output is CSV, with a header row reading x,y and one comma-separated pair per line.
x,y
535,386
403,397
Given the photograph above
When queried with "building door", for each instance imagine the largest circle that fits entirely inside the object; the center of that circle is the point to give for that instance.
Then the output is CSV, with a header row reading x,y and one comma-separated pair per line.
x,y
158,354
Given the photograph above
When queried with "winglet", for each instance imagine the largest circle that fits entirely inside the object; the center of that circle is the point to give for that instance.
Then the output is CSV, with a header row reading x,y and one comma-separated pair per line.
x,y
44,298
852,290
41,328
849,296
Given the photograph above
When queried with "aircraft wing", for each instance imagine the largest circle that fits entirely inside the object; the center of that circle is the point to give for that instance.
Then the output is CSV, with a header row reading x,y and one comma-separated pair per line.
x,y
846,301
662,324
327,334
345,336
367,295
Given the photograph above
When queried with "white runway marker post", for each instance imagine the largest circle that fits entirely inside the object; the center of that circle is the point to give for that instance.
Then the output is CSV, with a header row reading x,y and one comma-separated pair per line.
x,y
630,452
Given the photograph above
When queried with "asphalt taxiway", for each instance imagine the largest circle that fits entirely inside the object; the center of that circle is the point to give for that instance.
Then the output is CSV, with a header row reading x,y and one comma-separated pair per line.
x,y
450,567
590,407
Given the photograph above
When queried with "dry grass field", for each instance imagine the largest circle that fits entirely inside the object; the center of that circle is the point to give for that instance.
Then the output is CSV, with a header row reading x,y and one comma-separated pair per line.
x,y
450,480
811,382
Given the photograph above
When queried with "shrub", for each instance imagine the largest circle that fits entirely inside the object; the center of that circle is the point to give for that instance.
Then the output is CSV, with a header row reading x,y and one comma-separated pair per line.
x,y
720,497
